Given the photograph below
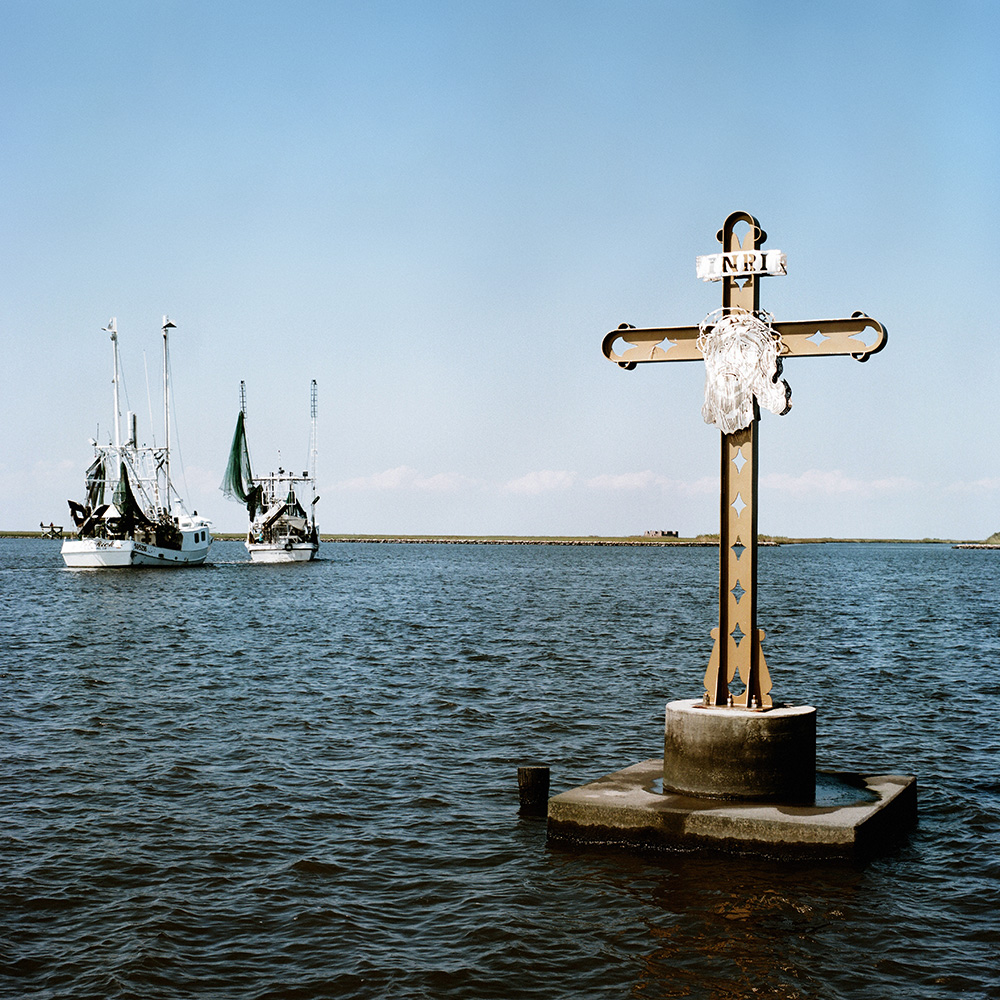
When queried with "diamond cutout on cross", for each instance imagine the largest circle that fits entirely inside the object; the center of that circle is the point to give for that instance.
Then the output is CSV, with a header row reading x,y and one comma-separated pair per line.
x,y
737,634
739,461
817,338
737,592
738,504
739,548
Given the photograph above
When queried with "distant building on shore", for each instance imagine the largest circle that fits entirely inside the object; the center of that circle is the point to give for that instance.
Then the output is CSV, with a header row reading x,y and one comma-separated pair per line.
x,y
659,534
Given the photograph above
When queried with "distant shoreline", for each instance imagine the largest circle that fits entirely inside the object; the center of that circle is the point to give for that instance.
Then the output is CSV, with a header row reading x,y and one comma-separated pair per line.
x,y
637,541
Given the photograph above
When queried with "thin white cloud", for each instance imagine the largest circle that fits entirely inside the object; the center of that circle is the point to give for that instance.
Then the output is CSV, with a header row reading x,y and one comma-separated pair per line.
x,y
542,481
823,482
699,487
648,480
989,484
390,479
626,481
404,477
445,482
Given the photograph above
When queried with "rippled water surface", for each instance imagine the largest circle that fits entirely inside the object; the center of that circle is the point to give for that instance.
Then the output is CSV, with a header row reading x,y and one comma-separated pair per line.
x,y
299,782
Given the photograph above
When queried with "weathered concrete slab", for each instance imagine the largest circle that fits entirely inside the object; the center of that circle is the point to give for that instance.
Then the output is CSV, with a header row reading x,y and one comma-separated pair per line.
x,y
854,816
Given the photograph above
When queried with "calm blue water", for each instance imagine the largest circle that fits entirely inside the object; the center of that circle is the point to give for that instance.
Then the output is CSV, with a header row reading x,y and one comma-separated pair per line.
x,y
300,782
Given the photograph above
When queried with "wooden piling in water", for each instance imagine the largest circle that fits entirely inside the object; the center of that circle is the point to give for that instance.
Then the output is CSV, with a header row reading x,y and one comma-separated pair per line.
x,y
533,789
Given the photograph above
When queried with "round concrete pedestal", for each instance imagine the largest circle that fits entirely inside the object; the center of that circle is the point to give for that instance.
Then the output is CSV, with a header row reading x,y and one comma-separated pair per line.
x,y
733,753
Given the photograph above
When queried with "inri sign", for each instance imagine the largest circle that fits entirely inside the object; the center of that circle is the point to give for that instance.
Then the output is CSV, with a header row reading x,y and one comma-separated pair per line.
x,y
716,266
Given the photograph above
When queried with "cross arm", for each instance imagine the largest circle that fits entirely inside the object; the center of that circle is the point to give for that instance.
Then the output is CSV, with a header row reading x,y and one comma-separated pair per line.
x,y
826,337
645,344
811,338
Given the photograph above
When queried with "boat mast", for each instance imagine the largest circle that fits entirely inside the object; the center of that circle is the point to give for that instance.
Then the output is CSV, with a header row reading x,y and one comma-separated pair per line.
x,y
112,328
312,432
313,449
243,410
167,325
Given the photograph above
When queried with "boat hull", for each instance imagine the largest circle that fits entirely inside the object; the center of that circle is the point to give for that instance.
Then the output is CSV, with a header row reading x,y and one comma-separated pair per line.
x,y
282,552
107,553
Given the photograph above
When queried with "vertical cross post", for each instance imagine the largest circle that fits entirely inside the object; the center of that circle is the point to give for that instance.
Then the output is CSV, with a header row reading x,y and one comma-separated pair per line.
x,y
737,639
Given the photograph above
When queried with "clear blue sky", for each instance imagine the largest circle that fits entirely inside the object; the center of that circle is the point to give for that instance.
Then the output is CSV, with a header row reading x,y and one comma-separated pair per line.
x,y
438,209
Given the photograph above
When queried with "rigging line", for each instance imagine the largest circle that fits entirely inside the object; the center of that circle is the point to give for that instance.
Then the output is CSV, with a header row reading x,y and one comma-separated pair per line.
x,y
153,463
149,400
124,388
177,435
246,437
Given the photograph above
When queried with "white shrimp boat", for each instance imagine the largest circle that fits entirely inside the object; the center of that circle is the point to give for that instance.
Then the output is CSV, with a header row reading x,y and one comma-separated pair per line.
x,y
281,529
132,515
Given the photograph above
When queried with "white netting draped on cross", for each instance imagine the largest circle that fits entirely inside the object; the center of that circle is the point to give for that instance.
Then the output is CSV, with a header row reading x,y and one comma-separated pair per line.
x,y
742,363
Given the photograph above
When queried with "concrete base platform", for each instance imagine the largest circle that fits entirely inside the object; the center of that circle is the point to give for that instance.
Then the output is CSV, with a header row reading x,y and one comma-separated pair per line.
x,y
854,816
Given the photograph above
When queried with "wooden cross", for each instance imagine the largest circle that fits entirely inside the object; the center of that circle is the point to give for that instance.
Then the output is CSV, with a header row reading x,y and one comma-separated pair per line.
x,y
740,266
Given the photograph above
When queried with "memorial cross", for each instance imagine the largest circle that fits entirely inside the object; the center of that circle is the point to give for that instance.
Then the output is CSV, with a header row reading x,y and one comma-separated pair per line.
x,y
740,267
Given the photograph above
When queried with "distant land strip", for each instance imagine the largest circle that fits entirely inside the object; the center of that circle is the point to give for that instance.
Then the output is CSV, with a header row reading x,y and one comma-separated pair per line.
x,y
606,540
636,541
526,540
628,540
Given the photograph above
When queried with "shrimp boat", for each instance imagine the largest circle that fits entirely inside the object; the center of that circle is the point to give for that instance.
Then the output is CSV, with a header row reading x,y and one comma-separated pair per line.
x,y
281,529
133,515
